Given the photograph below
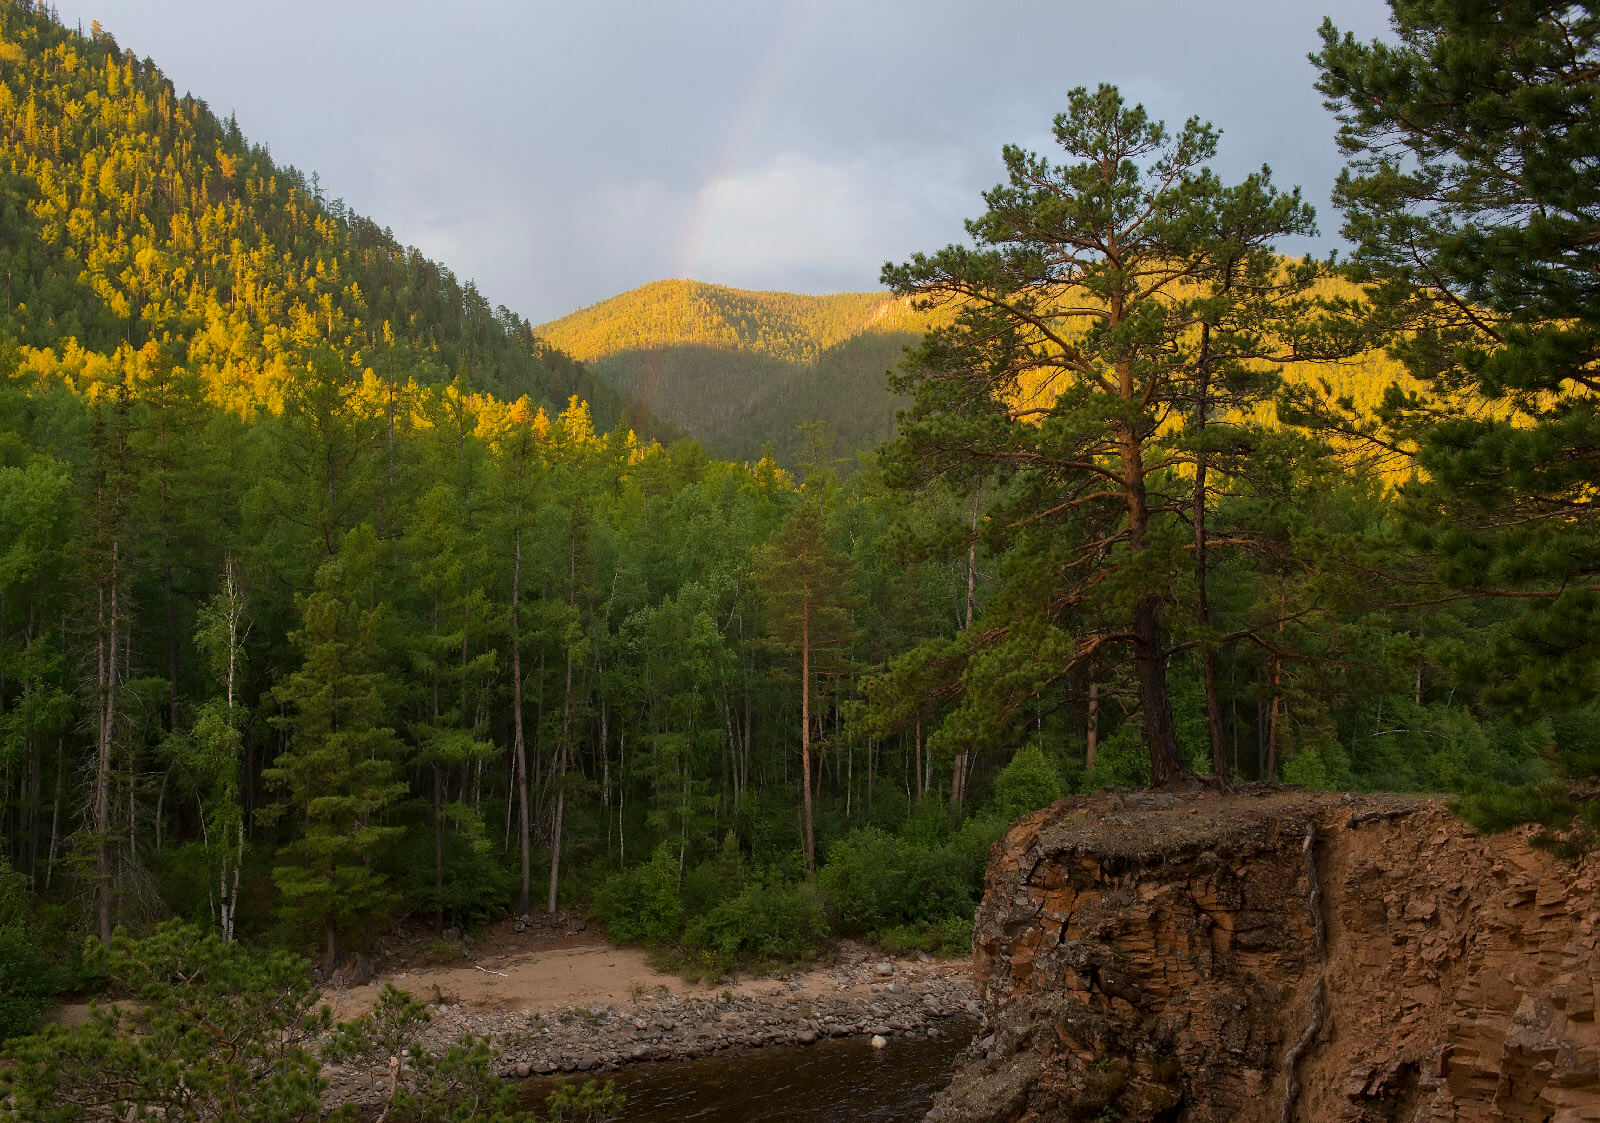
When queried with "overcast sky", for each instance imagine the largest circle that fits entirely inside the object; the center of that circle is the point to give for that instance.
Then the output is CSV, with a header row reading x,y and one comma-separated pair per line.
x,y
559,153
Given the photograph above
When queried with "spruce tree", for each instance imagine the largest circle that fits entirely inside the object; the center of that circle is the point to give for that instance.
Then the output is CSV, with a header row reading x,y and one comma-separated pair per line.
x,y
339,774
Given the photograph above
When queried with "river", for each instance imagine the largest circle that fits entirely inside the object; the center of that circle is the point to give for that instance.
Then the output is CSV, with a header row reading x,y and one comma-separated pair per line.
x,y
844,1079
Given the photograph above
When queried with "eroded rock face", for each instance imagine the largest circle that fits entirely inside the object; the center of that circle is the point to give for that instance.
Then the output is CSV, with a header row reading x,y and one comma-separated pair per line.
x,y
1276,955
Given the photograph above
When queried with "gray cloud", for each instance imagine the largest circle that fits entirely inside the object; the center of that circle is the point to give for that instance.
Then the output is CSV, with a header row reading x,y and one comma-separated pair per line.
x,y
560,153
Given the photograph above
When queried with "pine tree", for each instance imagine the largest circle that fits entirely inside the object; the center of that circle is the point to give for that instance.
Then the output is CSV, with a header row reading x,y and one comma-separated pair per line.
x,y
1471,196
1081,336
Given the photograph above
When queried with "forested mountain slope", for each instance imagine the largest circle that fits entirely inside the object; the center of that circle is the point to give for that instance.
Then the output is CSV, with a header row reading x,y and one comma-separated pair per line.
x,y
133,217
742,371
739,370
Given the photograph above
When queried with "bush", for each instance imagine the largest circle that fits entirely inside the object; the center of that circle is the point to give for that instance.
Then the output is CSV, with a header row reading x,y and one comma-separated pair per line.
x,y
28,981
1122,760
706,885
951,936
775,921
160,1057
455,1084
1028,783
641,905
899,891
590,1102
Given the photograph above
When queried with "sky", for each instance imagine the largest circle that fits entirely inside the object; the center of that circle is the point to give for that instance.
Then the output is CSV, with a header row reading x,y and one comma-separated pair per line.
x,y
560,153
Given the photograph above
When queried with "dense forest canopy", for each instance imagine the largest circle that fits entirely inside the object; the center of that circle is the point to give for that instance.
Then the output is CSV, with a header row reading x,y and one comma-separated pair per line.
x,y
331,597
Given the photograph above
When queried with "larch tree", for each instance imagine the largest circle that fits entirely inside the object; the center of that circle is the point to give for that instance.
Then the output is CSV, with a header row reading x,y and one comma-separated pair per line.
x,y
808,589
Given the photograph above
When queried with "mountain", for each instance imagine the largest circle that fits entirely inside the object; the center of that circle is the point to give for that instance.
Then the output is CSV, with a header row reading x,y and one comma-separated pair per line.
x,y
133,220
740,370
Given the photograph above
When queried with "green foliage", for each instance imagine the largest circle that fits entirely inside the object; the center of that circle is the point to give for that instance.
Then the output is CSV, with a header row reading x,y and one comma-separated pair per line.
x,y
1468,195
1493,808
1028,783
951,936
876,882
1108,306
767,921
1120,761
156,1053
457,1084
28,981
589,1102
641,905
135,217
339,774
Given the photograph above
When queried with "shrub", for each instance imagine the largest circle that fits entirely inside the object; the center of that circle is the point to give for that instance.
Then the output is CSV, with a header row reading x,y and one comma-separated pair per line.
x,y
641,905
1028,783
776,920
899,891
1122,761
159,1057
456,1084
27,983
27,980
590,1102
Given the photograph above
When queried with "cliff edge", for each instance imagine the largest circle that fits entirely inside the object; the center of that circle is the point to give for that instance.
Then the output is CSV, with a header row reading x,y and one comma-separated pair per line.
x,y
1279,955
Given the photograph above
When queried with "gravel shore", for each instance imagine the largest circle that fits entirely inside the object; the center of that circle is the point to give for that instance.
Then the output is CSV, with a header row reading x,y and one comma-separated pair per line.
x,y
860,993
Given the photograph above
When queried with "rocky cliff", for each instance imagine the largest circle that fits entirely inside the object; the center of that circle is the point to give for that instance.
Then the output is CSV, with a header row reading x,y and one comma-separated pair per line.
x,y
1277,955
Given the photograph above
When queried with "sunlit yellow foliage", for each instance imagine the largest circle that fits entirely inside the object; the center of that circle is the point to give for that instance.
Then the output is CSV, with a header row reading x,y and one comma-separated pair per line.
x,y
788,326
129,214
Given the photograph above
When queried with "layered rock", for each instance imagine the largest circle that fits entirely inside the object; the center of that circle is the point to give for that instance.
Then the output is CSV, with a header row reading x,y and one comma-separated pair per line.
x,y
1274,955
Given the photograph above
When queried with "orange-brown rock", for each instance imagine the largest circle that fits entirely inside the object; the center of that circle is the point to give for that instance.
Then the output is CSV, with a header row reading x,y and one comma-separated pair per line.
x,y
1280,955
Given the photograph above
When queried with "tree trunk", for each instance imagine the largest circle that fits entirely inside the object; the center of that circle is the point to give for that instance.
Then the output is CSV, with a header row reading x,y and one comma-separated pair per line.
x,y
1093,731
1202,604
106,674
1149,652
518,741
561,792
1165,766
805,732
438,846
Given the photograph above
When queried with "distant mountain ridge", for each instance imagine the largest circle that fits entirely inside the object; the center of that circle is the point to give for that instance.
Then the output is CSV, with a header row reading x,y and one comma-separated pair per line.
x,y
742,370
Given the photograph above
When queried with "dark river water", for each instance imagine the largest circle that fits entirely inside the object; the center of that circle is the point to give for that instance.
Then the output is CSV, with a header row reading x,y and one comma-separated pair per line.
x,y
845,1079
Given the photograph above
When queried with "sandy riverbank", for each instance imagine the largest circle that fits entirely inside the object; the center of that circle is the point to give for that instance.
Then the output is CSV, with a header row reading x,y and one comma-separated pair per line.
x,y
578,1004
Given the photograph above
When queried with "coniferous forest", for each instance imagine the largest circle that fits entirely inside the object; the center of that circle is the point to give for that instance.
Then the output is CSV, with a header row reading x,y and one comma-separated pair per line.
x,y
331,597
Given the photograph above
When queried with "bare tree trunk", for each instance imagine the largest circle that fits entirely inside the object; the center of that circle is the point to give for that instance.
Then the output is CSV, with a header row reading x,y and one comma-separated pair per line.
x,y
106,713
561,792
918,760
1275,720
564,752
55,815
805,731
958,776
622,792
518,742
1093,726
1148,643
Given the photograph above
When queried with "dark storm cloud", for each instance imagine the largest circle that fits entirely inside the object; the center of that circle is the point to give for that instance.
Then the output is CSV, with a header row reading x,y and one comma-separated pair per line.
x,y
562,153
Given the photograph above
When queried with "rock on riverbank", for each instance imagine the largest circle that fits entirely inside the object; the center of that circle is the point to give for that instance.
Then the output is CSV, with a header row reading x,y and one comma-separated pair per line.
x,y
861,993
